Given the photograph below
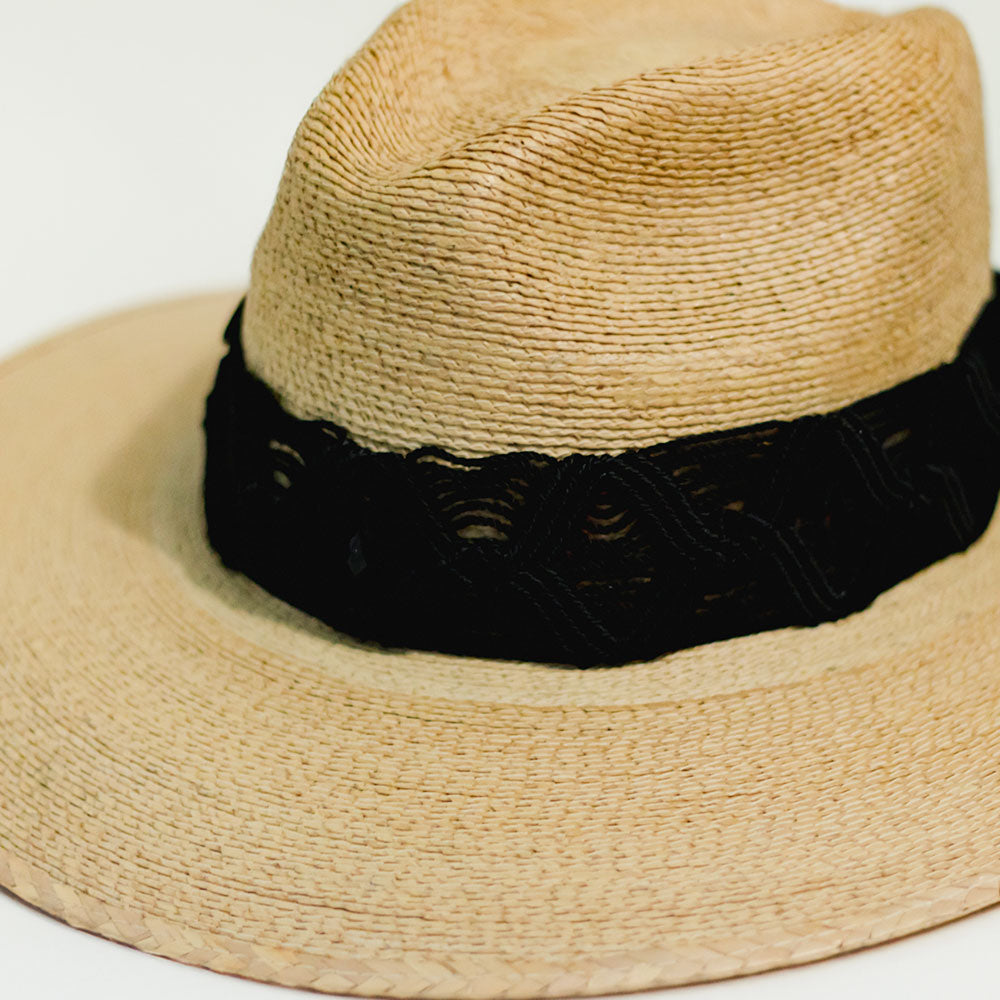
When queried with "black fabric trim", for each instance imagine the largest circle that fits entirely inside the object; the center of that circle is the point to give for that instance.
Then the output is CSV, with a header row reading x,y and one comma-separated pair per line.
x,y
604,559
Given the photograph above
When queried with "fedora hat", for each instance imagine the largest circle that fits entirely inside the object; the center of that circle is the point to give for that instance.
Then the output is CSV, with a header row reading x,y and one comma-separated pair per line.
x,y
569,568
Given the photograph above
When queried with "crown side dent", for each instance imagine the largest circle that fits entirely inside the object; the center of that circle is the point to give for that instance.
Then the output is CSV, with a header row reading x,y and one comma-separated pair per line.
x,y
423,95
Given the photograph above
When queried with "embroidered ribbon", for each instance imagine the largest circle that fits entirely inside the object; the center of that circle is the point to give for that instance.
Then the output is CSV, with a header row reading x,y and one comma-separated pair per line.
x,y
604,559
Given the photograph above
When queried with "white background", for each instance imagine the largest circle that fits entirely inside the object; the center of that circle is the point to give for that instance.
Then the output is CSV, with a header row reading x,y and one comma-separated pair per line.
x,y
140,146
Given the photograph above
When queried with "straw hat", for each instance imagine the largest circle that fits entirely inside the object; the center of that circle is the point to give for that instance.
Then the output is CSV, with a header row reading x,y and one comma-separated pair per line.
x,y
519,246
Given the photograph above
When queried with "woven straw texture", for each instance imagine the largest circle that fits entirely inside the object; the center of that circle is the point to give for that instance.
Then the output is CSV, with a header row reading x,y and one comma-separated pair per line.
x,y
518,232
593,226
190,766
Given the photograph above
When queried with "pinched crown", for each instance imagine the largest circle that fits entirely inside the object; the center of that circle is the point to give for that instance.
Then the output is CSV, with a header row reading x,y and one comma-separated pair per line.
x,y
592,226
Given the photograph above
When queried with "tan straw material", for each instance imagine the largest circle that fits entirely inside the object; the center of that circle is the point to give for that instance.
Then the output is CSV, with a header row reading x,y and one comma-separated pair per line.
x,y
541,225
192,767
484,239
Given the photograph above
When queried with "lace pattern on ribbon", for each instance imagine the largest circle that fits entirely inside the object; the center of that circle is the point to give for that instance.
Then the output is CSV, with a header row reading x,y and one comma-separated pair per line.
x,y
604,559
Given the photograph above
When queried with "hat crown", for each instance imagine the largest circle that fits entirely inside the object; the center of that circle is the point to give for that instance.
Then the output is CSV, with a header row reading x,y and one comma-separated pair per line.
x,y
508,227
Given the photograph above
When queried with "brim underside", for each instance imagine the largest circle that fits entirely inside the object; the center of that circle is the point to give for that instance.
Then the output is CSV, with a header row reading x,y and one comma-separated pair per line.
x,y
191,767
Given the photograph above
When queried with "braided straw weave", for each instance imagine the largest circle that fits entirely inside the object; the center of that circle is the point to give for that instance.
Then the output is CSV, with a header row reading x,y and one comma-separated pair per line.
x,y
483,240
594,226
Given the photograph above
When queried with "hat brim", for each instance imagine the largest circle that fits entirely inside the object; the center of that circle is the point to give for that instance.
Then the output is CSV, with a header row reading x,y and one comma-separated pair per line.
x,y
194,768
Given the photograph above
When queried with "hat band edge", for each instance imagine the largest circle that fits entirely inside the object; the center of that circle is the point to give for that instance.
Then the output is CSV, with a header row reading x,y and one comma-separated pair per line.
x,y
600,560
